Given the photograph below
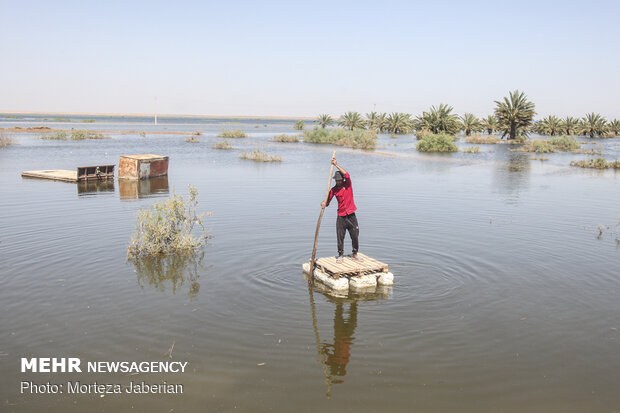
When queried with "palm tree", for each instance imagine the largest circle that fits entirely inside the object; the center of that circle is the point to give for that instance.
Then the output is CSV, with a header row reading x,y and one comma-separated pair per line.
x,y
352,120
470,123
570,125
489,123
514,114
593,124
439,120
398,123
324,120
372,120
381,122
550,126
614,127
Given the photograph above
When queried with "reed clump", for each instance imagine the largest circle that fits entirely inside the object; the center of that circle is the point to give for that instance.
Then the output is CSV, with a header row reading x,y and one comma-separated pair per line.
x,y
481,139
236,133
598,163
192,139
259,156
356,138
285,138
78,135
168,227
471,149
439,142
222,145
5,141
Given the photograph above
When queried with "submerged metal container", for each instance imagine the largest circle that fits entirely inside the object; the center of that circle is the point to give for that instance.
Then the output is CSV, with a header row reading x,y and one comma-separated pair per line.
x,y
142,166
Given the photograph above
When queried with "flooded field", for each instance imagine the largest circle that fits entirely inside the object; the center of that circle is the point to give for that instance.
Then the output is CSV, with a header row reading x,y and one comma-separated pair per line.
x,y
505,295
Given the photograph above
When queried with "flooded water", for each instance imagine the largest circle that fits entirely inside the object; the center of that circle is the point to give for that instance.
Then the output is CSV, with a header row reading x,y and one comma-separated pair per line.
x,y
505,294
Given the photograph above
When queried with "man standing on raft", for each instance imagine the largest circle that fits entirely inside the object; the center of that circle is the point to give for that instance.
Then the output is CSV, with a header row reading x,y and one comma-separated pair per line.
x,y
347,221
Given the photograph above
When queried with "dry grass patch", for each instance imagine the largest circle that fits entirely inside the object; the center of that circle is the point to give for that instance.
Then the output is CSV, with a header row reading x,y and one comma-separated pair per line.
x,y
482,139
192,139
232,134
598,163
285,138
259,156
222,145
471,149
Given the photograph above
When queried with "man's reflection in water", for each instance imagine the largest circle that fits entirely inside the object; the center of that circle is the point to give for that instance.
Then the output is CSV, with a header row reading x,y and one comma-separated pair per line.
x,y
338,354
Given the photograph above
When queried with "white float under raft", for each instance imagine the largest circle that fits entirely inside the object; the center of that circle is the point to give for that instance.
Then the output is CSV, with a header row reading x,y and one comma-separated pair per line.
x,y
350,273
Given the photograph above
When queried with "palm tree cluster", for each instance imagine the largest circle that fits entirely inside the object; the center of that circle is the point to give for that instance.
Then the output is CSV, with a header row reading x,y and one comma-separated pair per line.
x,y
591,125
513,116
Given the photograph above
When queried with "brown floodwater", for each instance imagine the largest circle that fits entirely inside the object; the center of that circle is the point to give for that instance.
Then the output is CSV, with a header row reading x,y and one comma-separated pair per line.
x,y
505,295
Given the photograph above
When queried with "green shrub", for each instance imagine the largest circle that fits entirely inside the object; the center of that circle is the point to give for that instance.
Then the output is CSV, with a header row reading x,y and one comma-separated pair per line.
x,y
565,143
168,226
222,145
285,138
299,125
232,134
598,163
356,138
58,136
259,156
440,142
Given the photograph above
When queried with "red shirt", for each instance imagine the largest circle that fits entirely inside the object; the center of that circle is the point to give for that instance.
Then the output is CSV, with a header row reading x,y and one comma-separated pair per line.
x,y
344,195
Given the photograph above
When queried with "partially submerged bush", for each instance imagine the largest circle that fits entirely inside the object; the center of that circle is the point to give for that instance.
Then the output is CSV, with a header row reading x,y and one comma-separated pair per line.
x,y
192,139
285,138
598,163
357,138
232,134
480,139
167,227
440,142
259,156
471,149
5,140
565,143
222,145
299,125
78,135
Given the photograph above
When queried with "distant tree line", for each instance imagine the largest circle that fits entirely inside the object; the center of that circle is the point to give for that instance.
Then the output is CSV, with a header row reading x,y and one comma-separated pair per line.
x,y
513,116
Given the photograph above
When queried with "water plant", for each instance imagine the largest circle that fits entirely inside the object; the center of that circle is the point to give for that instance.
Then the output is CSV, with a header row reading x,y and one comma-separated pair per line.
x,y
78,135
565,143
299,125
285,138
358,138
259,156
440,142
5,140
598,163
222,145
514,114
236,133
192,139
170,226
471,149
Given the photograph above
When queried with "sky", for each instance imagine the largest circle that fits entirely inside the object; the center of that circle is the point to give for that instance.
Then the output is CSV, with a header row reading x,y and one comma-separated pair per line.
x,y
287,58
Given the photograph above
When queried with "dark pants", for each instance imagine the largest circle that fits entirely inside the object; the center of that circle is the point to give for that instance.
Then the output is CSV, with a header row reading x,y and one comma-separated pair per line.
x,y
344,224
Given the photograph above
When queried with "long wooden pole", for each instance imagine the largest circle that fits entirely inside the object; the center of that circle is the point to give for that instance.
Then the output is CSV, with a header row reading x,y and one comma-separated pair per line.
x,y
318,224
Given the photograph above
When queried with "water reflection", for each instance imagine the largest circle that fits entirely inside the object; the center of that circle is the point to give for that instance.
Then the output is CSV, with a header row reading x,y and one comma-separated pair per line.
x,y
133,189
511,176
173,272
94,187
335,354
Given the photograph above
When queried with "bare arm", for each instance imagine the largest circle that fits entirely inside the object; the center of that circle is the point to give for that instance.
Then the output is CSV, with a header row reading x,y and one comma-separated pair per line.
x,y
340,168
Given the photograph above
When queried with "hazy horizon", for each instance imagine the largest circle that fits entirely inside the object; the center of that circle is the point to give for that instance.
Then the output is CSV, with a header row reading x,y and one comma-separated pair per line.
x,y
280,59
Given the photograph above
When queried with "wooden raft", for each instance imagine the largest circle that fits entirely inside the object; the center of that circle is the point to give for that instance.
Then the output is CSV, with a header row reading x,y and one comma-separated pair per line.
x,y
83,173
350,267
